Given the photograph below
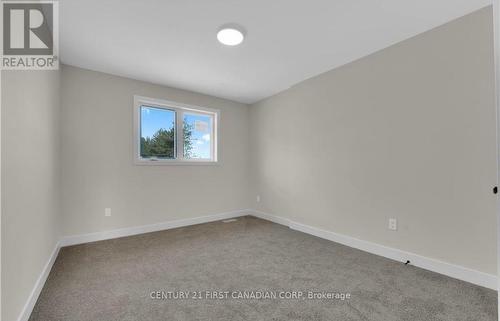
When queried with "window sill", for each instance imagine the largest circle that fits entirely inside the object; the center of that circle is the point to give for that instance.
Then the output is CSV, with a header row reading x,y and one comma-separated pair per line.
x,y
175,162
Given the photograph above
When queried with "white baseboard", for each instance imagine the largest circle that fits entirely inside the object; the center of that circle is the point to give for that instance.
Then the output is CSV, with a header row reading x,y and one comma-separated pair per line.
x,y
454,271
128,231
106,235
271,218
40,282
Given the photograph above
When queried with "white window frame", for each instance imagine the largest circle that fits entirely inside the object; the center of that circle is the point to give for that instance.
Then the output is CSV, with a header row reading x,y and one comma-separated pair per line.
x,y
179,109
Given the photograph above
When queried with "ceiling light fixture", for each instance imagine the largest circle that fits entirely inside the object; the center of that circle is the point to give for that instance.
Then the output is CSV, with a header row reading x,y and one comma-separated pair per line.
x,y
230,36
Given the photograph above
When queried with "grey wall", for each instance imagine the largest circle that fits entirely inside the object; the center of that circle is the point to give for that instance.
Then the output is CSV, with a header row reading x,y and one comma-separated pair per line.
x,y
97,158
408,132
30,181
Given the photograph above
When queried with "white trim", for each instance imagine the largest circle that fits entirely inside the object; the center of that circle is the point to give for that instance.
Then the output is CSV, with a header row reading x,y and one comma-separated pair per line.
x,y
40,282
179,110
271,218
106,235
455,271
496,43
451,270
1,217
128,231
174,104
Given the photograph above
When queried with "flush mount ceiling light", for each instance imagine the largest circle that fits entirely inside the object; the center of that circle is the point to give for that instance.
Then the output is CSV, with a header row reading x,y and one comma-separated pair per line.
x,y
230,35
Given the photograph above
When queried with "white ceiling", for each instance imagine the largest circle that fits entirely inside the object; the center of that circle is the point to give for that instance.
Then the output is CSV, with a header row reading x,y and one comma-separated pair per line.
x,y
173,42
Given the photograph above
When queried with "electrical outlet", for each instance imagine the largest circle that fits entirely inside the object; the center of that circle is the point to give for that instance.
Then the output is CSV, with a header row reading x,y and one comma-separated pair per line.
x,y
107,211
393,224
258,198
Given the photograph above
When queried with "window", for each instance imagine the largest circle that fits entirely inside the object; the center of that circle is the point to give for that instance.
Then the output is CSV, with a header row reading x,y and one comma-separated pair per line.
x,y
172,133
157,133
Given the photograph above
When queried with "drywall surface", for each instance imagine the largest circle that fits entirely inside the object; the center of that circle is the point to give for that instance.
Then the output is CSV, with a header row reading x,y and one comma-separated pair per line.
x,y
97,158
406,133
30,181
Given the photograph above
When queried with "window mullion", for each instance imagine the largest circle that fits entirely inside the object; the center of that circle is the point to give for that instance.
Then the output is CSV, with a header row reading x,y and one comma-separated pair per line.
x,y
215,139
180,134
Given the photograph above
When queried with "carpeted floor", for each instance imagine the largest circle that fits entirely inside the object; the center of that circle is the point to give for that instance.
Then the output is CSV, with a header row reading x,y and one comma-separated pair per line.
x,y
113,280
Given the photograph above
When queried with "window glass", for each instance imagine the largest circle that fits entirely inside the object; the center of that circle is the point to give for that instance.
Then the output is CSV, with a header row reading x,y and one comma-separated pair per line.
x,y
157,133
198,136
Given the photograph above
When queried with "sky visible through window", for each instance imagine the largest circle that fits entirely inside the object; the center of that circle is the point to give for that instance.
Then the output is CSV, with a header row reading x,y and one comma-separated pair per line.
x,y
201,134
154,119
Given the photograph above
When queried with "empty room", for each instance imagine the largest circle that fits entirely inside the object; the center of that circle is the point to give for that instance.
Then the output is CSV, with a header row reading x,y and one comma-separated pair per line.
x,y
249,160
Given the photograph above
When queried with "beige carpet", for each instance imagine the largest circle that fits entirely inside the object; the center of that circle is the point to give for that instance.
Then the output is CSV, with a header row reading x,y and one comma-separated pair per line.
x,y
251,260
